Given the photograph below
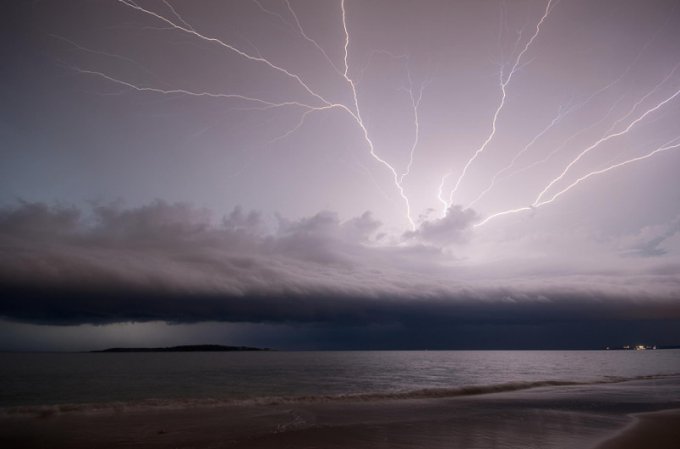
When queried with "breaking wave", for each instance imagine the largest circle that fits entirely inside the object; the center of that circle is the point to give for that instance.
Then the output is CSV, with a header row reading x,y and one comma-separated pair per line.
x,y
183,403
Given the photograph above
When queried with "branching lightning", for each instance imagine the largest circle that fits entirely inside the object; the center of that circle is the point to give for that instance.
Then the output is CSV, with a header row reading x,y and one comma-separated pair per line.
x,y
602,140
180,24
191,93
519,154
440,192
642,100
272,13
314,99
176,14
671,145
594,95
310,40
666,147
221,43
503,85
300,123
568,140
415,104
541,202
360,121
104,53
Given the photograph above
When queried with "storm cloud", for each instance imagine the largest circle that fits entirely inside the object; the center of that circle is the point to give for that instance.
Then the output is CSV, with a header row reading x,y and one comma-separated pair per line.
x,y
454,227
176,263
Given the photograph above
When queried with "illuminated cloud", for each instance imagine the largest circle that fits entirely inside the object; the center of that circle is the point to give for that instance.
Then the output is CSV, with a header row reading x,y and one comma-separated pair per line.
x,y
454,227
169,262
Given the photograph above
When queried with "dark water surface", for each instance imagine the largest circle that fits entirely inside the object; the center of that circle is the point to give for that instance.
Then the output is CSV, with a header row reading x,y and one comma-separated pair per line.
x,y
31,379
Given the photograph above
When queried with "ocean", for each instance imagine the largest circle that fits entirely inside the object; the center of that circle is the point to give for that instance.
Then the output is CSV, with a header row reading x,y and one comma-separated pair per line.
x,y
340,400
32,380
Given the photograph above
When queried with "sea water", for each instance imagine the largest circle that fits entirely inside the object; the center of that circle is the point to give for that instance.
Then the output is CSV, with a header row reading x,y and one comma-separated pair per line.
x,y
48,379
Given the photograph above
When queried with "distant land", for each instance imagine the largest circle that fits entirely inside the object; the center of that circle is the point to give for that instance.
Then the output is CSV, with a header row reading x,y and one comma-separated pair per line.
x,y
189,348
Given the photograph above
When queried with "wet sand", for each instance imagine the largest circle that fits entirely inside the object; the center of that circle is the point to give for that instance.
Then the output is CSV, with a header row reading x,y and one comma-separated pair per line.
x,y
567,417
658,430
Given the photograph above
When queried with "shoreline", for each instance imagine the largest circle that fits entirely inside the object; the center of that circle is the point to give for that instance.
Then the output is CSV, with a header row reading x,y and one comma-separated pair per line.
x,y
658,430
186,403
551,417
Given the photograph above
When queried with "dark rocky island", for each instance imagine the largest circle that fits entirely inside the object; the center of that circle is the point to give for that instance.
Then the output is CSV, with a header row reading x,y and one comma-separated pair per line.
x,y
189,348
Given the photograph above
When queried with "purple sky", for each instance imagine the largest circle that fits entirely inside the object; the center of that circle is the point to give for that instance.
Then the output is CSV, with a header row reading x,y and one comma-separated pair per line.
x,y
329,174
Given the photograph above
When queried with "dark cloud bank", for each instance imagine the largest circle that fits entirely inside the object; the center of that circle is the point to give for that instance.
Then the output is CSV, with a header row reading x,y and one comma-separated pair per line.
x,y
172,262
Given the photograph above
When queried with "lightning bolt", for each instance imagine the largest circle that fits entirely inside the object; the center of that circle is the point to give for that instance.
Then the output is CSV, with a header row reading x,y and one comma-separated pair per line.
x,y
355,112
299,124
272,13
667,146
570,139
602,140
214,40
503,86
526,148
361,124
415,105
312,41
645,97
670,145
440,192
415,98
539,200
314,100
104,53
612,107
561,115
176,14
268,104
500,214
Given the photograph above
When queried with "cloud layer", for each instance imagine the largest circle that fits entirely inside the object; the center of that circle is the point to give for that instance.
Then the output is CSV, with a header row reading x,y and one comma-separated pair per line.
x,y
172,262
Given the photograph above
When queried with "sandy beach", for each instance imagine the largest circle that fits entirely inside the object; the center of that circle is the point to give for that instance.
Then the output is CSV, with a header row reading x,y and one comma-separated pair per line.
x,y
660,430
604,416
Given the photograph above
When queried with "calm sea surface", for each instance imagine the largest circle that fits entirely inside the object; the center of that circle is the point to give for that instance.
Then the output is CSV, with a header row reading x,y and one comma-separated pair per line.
x,y
55,378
